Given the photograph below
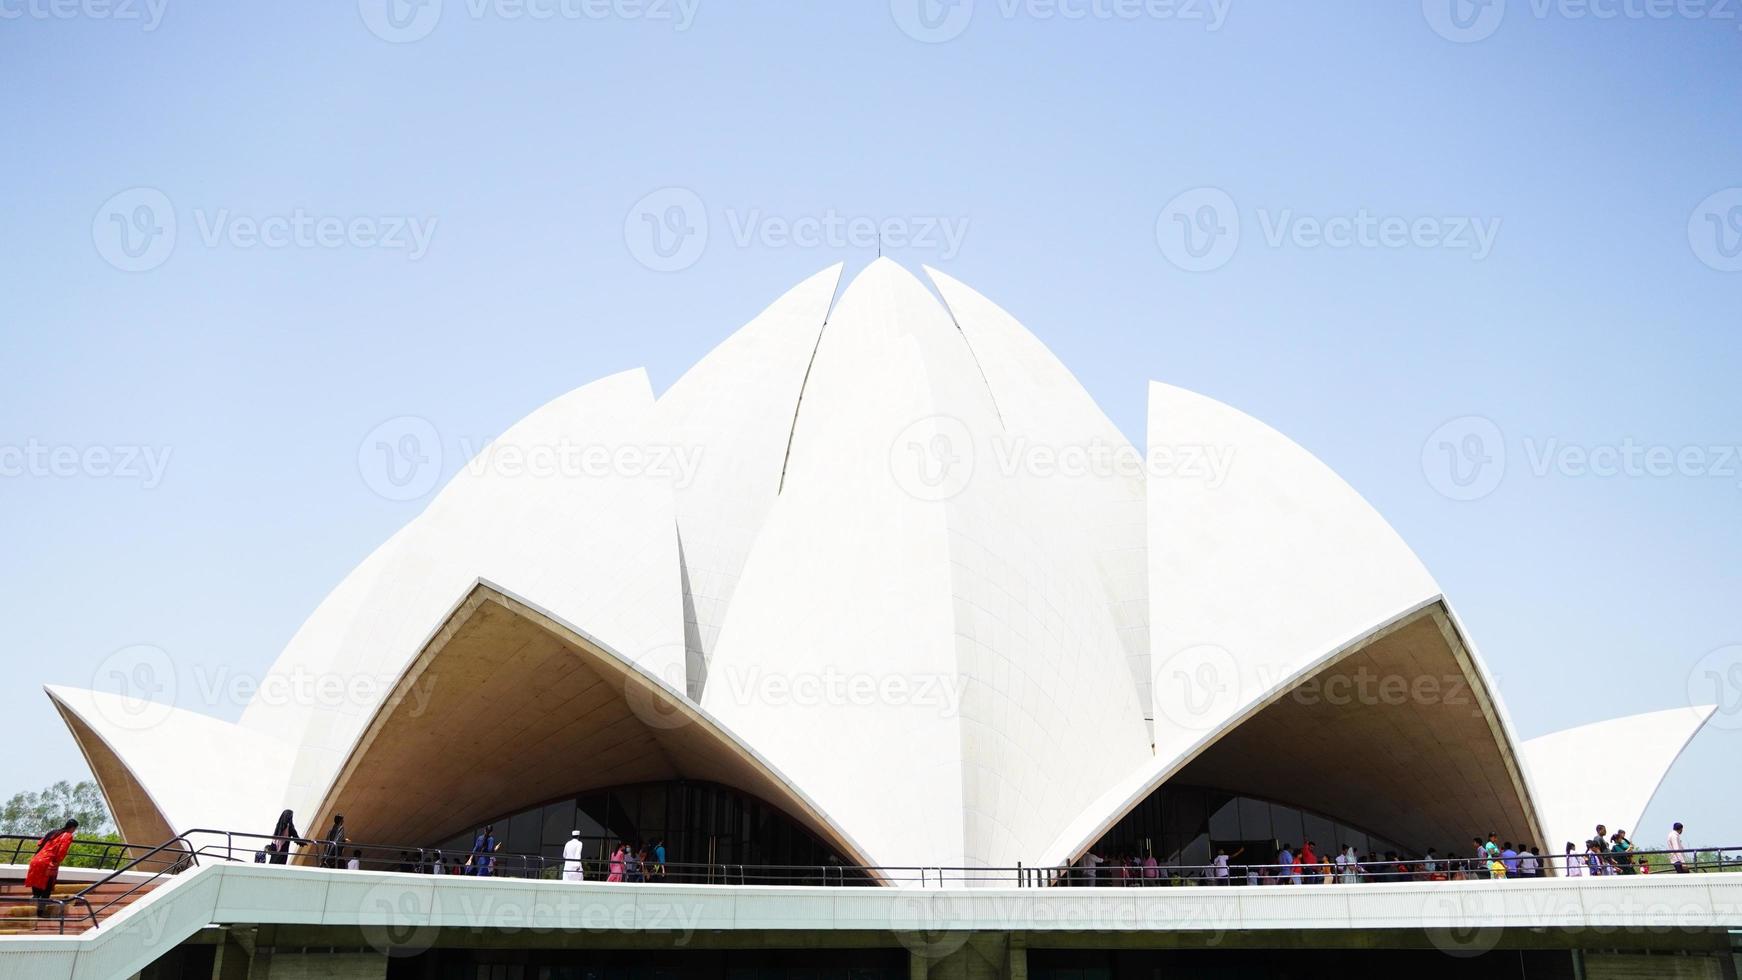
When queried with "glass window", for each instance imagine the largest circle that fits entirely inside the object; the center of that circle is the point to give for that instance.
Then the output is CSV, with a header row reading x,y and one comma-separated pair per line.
x,y
1186,811
559,819
1197,851
1354,838
1285,823
1254,820
1321,831
1225,818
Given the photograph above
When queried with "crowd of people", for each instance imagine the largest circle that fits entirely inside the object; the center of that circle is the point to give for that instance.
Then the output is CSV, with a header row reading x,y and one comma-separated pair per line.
x,y
1604,853
630,861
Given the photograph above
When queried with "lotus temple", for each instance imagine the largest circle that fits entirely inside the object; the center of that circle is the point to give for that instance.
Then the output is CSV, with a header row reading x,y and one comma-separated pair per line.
x,y
877,594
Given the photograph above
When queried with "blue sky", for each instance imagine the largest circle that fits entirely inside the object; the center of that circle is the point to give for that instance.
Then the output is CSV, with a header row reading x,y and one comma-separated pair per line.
x,y
1525,224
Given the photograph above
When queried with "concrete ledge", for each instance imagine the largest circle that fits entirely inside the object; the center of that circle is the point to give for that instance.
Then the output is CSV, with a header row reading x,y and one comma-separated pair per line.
x,y
296,906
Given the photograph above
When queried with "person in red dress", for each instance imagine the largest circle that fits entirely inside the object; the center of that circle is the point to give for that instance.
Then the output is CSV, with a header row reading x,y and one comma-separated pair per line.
x,y
44,868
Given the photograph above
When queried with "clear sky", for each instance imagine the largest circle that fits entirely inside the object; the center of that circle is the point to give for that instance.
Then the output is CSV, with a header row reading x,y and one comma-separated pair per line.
x,y
1523,217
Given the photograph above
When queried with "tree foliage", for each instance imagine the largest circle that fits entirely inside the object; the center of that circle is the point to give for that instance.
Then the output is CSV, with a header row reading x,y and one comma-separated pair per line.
x,y
34,813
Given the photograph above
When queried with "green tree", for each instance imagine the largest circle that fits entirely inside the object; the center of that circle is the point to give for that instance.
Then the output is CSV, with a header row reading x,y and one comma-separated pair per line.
x,y
33,813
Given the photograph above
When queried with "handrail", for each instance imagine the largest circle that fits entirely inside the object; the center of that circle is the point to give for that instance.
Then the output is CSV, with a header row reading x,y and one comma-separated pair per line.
x,y
20,841
169,868
188,849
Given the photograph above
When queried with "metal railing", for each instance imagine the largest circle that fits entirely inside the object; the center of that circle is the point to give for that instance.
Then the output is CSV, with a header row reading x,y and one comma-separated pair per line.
x,y
117,857
149,863
87,852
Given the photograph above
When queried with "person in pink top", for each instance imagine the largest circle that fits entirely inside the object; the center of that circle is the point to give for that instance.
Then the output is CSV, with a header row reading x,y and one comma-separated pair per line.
x,y
1150,870
617,863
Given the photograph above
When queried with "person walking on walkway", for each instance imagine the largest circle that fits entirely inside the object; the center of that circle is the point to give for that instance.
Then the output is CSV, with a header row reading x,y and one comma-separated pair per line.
x,y
44,870
1677,855
284,833
1575,866
482,860
332,851
1619,846
573,869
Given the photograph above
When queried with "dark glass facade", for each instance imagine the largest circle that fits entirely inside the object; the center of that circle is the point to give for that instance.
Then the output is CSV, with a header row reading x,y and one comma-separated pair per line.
x,y
760,964
1305,964
1184,825
714,827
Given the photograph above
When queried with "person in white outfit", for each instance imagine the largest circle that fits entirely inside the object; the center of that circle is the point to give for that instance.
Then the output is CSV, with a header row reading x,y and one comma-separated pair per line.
x,y
1676,856
572,868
